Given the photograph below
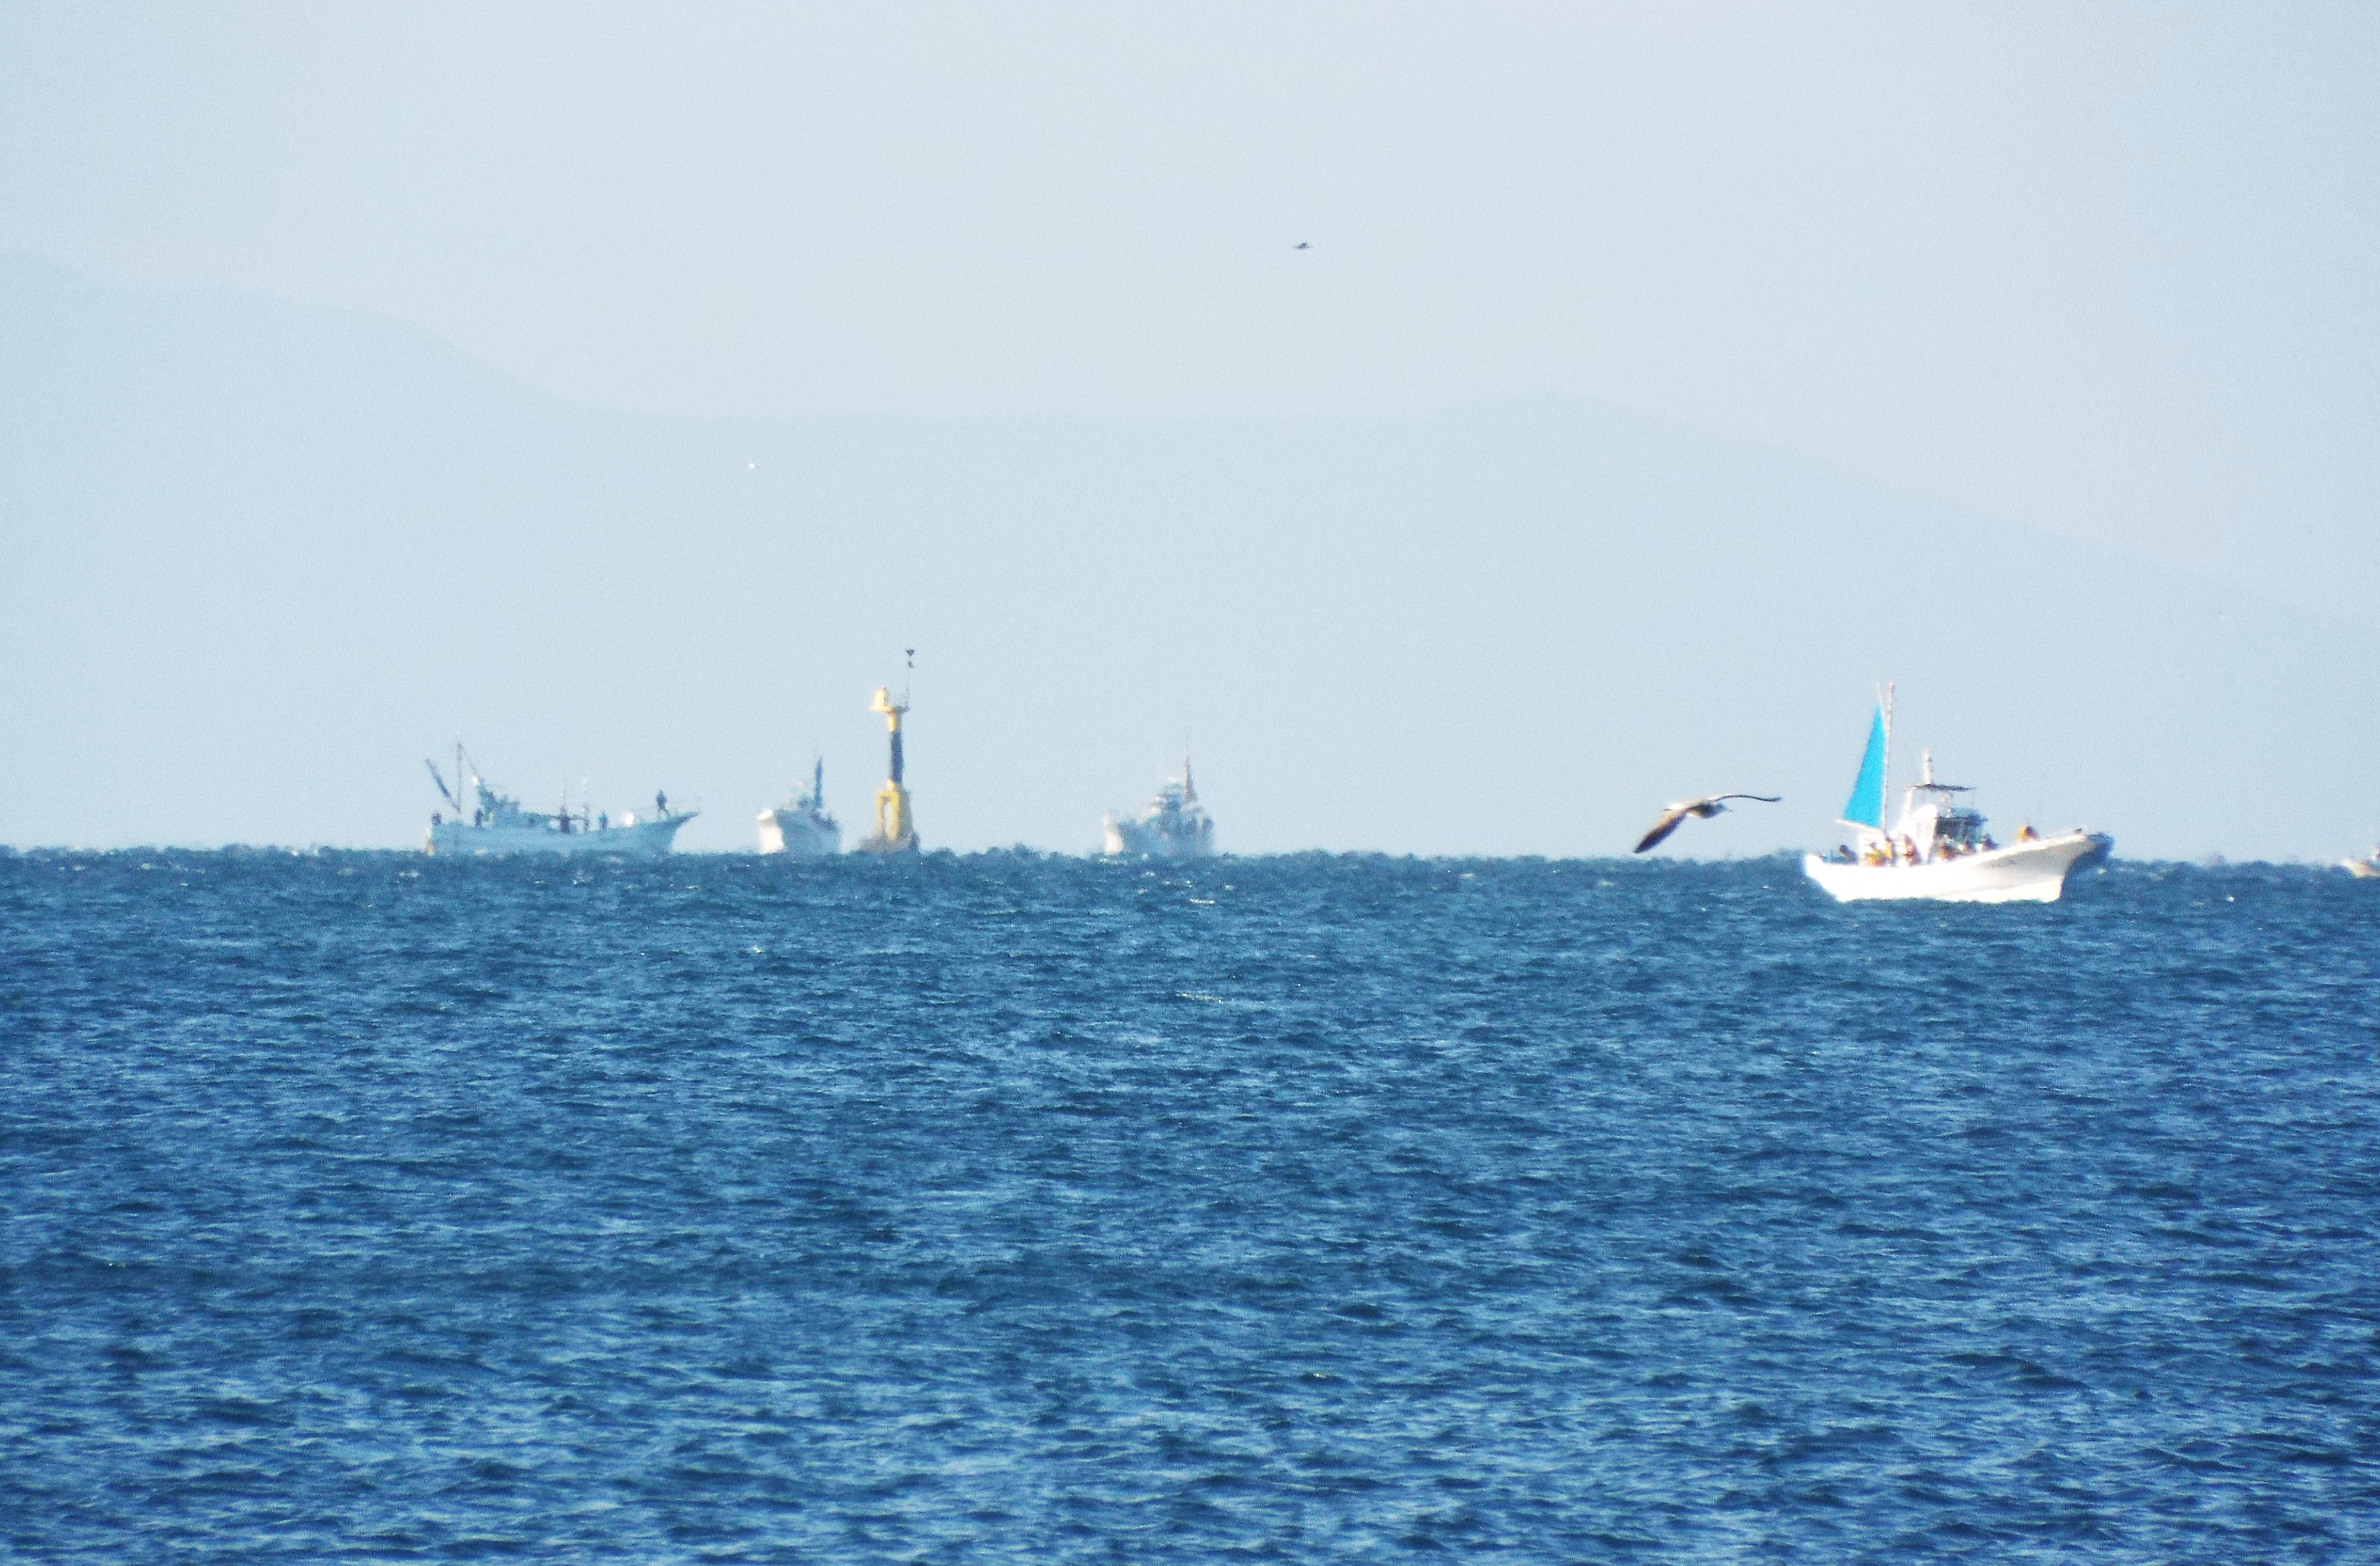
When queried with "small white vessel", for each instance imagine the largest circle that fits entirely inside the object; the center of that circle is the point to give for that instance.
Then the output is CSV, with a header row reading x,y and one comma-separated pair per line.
x,y
497,824
800,828
1939,851
2366,869
1175,826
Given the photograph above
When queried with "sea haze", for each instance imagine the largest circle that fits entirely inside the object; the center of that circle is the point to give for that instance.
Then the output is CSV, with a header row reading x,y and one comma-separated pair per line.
x,y
262,560
363,1205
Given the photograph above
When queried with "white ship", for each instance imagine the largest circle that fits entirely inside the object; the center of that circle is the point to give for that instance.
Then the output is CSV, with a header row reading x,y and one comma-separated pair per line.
x,y
800,827
1940,850
2367,868
497,824
1175,826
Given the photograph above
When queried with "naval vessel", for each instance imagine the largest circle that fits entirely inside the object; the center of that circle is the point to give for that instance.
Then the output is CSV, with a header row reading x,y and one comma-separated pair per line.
x,y
1174,826
801,827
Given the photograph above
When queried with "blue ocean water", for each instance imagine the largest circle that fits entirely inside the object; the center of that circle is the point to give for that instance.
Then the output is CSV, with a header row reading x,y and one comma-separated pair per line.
x,y
368,1206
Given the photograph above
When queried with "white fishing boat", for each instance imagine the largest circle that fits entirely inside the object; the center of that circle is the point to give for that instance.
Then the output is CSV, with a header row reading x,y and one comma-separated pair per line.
x,y
1938,851
497,825
800,828
2365,868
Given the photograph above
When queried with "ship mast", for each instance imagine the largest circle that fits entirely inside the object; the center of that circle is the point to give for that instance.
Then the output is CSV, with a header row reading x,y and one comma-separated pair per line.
x,y
1884,807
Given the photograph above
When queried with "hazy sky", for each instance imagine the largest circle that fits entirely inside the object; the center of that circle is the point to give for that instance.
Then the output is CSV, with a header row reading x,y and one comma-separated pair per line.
x,y
2107,270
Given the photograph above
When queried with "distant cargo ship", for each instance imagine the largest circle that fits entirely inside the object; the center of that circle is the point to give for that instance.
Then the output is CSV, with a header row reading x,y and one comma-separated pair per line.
x,y
800,827
1175,826
497,824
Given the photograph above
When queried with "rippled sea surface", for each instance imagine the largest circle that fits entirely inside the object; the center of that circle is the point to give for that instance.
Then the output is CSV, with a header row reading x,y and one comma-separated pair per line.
x,y
999,1208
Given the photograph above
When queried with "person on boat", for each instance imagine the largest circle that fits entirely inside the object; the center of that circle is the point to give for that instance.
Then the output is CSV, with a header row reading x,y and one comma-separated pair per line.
x,y
661,801
2026,834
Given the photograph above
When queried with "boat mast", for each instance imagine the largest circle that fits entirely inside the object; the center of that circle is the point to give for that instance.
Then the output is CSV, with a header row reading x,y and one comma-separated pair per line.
x,y
1883,804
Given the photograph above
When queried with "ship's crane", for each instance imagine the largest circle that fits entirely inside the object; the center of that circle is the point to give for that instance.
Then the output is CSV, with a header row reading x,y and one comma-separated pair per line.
x,y
440,782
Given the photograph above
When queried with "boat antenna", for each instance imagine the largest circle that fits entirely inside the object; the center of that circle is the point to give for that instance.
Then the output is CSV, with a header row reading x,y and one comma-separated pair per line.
x,y
910,677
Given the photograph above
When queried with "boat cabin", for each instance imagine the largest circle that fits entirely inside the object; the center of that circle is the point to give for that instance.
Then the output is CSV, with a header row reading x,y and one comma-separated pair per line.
x,y
1933,826
1938,826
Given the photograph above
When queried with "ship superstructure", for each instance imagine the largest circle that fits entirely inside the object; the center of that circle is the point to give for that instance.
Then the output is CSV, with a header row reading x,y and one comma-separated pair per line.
x,y
496,824
1174,826
896,830
801,827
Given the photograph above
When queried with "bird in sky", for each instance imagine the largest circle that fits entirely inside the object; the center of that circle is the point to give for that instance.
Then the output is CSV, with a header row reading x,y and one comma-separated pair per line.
x,y
1705,807
1304,246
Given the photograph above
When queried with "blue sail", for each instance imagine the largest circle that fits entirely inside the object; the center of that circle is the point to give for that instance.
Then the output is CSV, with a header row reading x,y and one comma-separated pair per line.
x,y
1866,806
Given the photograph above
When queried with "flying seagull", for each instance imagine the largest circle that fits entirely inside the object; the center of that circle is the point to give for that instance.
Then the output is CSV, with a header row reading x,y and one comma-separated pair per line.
x,y
1304,246
1705,807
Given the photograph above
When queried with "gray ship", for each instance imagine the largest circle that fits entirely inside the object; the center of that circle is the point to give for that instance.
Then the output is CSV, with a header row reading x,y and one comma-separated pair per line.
x,y
1175,826
801,827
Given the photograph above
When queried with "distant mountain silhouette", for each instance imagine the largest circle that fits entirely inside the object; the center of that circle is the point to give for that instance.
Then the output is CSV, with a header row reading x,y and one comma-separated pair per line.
x,y
263,558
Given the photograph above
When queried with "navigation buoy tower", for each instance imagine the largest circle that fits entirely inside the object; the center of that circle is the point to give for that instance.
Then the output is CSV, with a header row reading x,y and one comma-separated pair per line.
x,y
896,830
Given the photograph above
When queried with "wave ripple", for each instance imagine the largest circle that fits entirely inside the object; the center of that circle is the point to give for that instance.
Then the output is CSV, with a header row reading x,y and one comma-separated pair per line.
x,y
364,1207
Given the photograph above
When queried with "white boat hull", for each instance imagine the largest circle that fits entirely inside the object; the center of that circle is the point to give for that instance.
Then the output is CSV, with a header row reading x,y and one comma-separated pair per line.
x,y
2021,872
2362,869
1137,840
792,833
644,840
